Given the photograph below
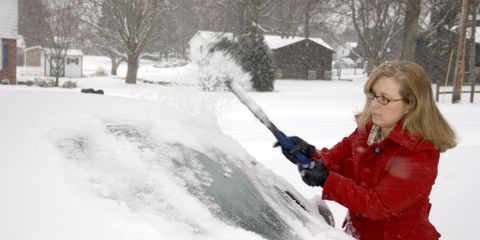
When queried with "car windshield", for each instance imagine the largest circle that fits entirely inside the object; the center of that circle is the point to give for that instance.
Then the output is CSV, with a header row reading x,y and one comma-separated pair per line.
x,y
219,181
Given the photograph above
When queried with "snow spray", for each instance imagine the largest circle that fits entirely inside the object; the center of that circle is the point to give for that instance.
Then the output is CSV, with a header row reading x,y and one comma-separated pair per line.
x,y
230,73
281,137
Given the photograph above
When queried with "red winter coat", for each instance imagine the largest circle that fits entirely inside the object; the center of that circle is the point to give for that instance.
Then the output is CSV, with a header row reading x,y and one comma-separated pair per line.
x,y
385,186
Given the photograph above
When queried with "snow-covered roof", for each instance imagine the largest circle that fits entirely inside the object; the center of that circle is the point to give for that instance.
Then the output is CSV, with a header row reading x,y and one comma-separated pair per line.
x,y
351,45
70,52
273,41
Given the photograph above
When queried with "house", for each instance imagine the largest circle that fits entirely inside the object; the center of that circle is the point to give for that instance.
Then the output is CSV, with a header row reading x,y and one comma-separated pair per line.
x,y
300,58
344,50
202,41
8,41
293,57
38,61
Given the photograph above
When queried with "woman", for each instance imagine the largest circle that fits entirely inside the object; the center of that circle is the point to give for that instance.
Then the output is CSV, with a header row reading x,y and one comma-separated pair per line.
x,y
384,171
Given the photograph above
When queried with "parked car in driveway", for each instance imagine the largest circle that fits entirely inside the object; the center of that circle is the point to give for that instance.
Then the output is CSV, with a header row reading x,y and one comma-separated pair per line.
x,y
97,167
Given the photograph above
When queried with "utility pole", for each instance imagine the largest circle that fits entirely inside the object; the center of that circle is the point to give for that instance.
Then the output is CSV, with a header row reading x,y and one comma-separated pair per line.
x,y
462,40
472,76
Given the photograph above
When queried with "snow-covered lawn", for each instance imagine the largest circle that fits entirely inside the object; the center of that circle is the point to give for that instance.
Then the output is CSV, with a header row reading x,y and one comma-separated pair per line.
x,y
319,111
322,113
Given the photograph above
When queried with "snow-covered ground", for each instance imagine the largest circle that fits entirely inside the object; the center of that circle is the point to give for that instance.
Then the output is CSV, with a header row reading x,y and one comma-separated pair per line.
x,y
319,111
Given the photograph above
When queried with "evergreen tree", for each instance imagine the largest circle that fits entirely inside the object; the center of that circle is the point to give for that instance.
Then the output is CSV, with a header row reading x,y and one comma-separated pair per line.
x,y
255,58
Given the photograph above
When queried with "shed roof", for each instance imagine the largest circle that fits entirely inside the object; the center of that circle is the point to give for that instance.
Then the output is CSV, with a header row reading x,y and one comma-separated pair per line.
x,y
70,52
273,41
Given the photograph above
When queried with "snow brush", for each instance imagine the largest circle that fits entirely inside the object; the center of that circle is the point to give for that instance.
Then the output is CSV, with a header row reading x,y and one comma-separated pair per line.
x,y
281,137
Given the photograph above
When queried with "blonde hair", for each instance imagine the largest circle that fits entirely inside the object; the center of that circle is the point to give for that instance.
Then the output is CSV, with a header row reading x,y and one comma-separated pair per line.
x,y
424,119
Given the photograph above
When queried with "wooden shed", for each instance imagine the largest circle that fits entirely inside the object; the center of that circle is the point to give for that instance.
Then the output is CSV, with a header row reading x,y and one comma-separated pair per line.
x,y
293,57
300,58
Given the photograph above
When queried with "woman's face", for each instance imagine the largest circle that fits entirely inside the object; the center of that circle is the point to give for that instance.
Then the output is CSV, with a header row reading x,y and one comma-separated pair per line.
x,y
387,116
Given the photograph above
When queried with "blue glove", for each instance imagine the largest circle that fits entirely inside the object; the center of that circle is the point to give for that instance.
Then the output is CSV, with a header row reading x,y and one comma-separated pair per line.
x,y
315,175
300,146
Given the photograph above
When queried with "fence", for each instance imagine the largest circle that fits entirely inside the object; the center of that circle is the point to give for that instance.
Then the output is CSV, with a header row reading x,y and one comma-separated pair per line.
x,y
30,71
467,88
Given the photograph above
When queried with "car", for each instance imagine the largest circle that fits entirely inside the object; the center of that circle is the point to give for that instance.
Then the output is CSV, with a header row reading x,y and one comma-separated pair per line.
x,y
107,166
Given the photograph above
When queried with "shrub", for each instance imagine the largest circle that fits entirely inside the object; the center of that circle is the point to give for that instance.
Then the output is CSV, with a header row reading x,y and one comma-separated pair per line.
x,y
256,59
45,83
27,83
100,72
69,84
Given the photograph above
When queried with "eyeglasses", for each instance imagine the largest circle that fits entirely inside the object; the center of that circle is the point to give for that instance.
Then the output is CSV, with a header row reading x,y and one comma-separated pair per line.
x,y
381,99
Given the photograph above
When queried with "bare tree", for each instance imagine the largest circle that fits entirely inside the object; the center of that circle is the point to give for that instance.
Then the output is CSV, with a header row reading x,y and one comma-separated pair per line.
x,y
286,18
55,27
410,29
103,41
128,25
377,23
31,15
246,16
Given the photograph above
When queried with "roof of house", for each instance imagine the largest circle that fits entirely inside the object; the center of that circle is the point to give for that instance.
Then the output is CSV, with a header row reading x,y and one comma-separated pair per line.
x,y
273,41
70,52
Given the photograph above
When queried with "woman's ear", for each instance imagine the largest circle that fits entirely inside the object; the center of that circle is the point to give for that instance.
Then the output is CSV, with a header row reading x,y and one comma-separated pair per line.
x,y
408,107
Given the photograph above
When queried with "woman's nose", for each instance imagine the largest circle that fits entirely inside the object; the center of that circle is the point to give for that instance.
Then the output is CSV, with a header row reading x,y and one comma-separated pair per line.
x,y
374,103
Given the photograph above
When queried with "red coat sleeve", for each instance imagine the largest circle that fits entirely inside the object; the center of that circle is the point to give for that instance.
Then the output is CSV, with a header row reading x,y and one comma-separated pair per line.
x,y
333,158
407,179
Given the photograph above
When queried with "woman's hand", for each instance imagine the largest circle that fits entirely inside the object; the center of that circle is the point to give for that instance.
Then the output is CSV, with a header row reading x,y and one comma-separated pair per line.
x,y
300,146
315,175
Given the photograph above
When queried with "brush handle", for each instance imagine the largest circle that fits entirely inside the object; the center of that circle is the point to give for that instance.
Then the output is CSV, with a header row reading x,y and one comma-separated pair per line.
x,y
288,144
282,139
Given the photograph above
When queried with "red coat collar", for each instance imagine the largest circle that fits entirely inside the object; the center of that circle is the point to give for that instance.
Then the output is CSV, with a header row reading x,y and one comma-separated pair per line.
x,y
398,135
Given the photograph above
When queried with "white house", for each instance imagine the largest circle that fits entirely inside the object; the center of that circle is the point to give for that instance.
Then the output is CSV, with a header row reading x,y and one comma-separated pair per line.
x,y
344,50
38,62
8,40
202,41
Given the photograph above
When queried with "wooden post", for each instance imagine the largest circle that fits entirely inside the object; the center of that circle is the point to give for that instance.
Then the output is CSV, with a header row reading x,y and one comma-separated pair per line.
x,y
457,88
472,91
449,67
437,91
473,44
447,76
